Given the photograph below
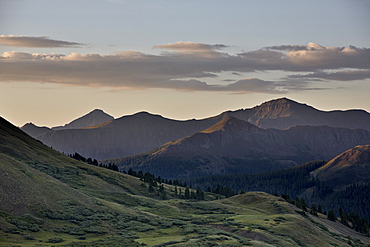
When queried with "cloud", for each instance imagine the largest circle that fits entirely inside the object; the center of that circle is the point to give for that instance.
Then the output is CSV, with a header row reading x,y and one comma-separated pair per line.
x,y
15,55
331,58
235,73
26,41
189,66
310,47
347,75
193,49
248,85
309,58
254,85
190,46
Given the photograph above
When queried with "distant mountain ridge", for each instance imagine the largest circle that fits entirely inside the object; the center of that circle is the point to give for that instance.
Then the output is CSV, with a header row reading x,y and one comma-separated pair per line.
x,y
34,130
284,113
127,135
137,133
234,146
94,117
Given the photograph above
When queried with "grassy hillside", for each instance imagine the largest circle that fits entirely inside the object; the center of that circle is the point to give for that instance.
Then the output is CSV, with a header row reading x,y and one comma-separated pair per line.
x,y
49,199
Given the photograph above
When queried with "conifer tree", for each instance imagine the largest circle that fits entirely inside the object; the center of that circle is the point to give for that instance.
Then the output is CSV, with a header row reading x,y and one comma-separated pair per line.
x,y
313,210
331,215
151,189
319,209
187,193
176,195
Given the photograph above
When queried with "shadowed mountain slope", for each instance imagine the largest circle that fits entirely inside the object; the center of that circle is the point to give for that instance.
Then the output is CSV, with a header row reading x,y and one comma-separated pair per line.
x,y
124,136
36,176
234,146
23,187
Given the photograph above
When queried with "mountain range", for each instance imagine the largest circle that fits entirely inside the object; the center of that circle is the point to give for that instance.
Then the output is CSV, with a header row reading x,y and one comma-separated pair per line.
x,y
138,133
234,146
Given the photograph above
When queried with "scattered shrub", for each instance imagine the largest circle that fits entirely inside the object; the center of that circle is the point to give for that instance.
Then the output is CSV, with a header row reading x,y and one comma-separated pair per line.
x,y
12,230
31,219
4,214
280,219
95,229
165,224
76,231
130,235
28,237
55,240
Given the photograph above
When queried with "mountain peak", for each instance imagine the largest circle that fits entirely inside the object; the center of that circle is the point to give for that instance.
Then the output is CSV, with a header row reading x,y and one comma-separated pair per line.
x,y
282,113
30,124
281,103
34,130
96,116
97,110
143,115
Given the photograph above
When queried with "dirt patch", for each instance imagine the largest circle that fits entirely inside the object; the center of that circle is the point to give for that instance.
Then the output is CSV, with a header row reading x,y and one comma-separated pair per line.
x,y
243,233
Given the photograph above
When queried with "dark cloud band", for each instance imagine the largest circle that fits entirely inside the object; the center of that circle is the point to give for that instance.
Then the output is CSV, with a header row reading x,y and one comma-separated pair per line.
x,y
25,41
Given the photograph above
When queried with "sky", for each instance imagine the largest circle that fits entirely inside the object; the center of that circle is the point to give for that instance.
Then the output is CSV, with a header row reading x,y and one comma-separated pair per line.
x,y
184,59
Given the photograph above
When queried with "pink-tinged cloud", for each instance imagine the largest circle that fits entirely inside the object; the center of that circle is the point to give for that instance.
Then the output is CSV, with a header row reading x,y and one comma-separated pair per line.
x,y
190,46
188,67
39,42
310,58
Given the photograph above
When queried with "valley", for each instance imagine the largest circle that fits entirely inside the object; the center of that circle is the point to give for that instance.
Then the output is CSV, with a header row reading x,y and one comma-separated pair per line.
x,y
50,199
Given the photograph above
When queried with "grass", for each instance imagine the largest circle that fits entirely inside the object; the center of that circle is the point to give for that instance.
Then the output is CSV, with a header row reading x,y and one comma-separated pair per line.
x,y
49,199
256,224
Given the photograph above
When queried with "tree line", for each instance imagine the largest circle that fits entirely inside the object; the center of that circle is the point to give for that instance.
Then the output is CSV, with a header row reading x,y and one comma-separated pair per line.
x,y
79,157
155,184
183,192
